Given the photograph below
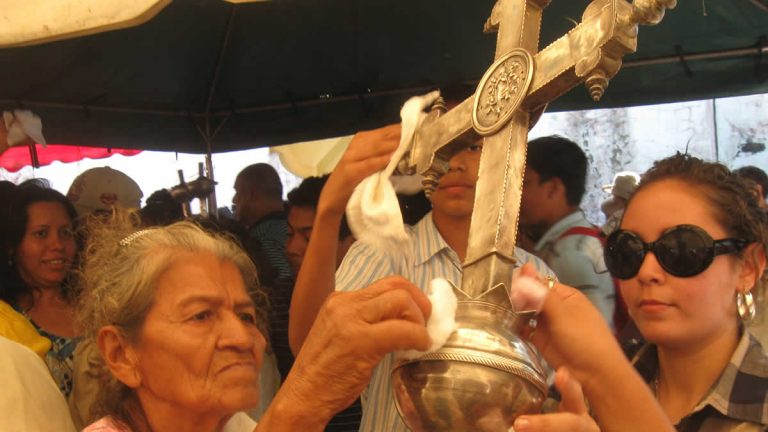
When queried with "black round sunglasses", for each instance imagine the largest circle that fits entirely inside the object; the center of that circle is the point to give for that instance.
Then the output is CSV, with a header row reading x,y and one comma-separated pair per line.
x,y
682,251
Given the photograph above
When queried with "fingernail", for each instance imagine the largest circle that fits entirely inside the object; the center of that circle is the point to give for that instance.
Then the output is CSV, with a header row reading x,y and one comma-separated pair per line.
x,y
522,424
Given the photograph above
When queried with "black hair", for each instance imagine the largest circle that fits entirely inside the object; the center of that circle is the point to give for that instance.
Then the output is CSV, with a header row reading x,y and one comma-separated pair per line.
x,y
263,177
558,157
307,195
735,207
756,175
161,209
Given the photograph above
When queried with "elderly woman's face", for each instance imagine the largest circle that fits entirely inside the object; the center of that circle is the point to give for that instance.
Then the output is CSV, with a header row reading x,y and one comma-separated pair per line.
x,y
199,348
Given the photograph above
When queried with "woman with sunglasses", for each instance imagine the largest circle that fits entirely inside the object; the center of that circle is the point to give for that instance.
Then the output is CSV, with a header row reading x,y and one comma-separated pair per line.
x,y
690,248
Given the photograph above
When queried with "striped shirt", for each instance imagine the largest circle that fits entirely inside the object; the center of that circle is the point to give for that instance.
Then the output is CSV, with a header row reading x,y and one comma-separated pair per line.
x,y
429,257
271,232
738,402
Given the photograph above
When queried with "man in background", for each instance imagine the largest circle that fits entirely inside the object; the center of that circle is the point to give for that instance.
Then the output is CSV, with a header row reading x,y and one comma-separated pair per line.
x,y
302,206
760,180
436,247
553,186
260,209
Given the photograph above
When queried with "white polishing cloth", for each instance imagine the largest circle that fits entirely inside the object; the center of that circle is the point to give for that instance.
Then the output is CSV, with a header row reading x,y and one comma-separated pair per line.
x,y
373,211
442,321
22,125
527,293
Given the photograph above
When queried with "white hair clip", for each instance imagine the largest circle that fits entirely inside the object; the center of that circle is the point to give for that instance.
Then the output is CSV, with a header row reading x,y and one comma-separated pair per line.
x,y
131,237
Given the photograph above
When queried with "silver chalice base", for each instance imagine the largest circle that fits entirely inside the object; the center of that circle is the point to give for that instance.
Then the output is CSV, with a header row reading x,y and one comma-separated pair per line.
x,y
480,381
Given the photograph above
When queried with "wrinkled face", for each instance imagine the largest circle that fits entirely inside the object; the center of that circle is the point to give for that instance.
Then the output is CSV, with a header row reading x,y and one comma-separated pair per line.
x,y
45,254
199,349
676,311
300,221
455,193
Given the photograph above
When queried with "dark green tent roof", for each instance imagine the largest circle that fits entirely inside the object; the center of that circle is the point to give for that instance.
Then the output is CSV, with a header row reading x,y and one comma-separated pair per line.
x,y
290,70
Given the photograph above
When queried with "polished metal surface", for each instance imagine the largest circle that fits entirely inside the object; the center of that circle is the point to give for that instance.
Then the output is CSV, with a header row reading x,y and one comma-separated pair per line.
x,y
482,378
486,375
501,91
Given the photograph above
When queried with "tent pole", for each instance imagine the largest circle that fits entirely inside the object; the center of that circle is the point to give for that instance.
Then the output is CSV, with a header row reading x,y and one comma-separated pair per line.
x,y
211,200
706,55
207,135
213,209
219,58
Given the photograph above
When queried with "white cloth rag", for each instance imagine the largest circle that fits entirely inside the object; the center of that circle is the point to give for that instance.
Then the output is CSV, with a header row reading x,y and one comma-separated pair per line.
x,y
21,125
527,293
373,212
442,321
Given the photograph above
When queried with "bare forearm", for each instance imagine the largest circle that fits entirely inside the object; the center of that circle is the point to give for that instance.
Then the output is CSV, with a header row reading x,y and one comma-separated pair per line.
x,y
286,415
316,279
622,402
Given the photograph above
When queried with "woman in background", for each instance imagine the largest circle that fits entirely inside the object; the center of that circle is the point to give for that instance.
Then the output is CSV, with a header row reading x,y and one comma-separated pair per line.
x,y
40,249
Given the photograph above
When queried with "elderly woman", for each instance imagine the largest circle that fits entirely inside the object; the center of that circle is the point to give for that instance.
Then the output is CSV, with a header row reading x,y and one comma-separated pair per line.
x,y
40,251
172,312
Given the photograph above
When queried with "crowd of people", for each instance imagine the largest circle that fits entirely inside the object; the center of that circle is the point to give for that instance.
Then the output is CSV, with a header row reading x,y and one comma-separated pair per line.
x,y
115,318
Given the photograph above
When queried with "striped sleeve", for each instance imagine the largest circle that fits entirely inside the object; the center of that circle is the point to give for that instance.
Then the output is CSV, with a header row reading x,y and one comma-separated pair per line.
x,y
362,266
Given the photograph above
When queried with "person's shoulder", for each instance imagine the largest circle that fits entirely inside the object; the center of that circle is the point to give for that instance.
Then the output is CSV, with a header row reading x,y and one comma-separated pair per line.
x,y
579,234
523,257
364,249
11,320
581,249
755,361
30,397
16,327
272,222
14,353
363,264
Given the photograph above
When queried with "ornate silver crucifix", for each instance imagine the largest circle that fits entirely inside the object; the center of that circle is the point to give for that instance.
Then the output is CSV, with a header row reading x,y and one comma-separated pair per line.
x,y
485,375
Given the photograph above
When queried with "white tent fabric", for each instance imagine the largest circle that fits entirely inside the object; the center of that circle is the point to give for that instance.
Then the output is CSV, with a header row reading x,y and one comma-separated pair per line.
x,y
313,158
29,22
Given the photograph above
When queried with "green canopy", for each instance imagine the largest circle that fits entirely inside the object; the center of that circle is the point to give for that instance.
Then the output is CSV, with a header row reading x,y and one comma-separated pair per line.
x,y
263,74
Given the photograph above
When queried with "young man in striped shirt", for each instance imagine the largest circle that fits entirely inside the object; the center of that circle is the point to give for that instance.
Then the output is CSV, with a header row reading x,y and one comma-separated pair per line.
x,y
437,248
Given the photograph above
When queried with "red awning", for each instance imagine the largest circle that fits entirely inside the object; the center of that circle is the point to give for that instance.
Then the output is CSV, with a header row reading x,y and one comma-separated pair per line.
x,y
16,158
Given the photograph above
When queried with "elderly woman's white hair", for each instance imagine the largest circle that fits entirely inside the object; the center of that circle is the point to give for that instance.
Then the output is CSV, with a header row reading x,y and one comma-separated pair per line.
x,y
118,279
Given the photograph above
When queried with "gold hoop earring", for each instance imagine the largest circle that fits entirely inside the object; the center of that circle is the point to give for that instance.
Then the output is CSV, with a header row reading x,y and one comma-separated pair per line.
x,y
745,305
